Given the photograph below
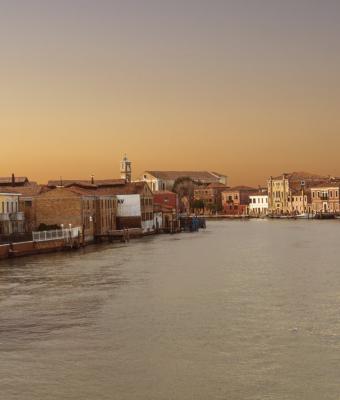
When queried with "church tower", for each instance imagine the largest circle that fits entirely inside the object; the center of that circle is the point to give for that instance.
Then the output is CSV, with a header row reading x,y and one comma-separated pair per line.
x,y
125,169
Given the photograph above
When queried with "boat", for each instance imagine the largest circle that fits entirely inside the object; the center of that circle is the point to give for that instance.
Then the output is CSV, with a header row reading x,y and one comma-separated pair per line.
x,y
325,215
304,216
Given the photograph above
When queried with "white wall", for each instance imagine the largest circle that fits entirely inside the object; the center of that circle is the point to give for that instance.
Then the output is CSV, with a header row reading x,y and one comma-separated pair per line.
x,y
128,205
258,204
148,226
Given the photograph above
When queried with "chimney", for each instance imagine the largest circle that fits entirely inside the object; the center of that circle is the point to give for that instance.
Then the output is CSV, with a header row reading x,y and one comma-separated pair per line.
x,y
92,179
13,180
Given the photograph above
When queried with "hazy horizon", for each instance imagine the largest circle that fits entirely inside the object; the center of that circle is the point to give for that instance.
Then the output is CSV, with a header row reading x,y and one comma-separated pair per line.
x,y
246,88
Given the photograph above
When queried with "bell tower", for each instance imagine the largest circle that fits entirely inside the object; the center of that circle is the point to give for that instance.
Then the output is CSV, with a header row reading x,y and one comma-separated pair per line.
x,y
125,169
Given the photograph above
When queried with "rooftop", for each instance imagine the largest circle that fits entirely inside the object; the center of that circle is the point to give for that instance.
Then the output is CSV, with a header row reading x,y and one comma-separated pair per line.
x,y
300,176
13,180
326,185
86,183
238,188
194,175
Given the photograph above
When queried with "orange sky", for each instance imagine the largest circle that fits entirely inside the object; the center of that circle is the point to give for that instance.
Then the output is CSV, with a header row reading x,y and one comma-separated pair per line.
x,y
249,89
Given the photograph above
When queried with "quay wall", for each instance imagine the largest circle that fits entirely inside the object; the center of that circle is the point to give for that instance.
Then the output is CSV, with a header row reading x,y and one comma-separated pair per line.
x,y
29,248
4,249
19,249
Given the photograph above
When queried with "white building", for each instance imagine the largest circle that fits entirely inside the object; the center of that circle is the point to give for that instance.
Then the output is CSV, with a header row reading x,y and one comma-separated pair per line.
x,y
258,204
164,180
129,213
11,219
128,205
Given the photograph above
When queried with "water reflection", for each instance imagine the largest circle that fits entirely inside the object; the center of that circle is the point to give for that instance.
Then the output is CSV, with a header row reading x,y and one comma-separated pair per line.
x,y
241,311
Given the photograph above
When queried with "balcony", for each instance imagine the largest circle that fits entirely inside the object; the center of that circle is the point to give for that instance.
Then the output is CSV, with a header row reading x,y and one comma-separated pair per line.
x,y
18,216
324,197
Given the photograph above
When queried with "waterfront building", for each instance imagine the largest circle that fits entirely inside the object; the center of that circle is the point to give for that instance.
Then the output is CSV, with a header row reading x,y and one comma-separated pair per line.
x,y
235,201
288,188
210,196
166,207
28,192
299,201
76,206
146,200
165,180
326,197
166,219
166,198
11,219
129,213
258,204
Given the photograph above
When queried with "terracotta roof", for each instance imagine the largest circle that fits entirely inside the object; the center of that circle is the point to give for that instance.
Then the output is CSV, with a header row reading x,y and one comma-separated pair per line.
x,y
194,175
164,192
217,185
300,176
87,183
17,179
235,188
29,190
326,185
127,188
218,174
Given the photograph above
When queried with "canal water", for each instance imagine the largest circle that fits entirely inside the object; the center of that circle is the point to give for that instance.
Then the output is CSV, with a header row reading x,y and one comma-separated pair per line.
x,y
243,310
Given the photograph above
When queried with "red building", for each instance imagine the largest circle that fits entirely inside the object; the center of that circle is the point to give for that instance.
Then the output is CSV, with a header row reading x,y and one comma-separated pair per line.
x,y
235,201
166,198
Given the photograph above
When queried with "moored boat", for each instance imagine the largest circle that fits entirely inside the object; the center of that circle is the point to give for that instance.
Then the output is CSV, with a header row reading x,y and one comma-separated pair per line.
x,y
304,216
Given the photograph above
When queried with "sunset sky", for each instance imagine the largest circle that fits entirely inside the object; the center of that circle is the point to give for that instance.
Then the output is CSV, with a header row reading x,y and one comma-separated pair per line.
x,y
246,88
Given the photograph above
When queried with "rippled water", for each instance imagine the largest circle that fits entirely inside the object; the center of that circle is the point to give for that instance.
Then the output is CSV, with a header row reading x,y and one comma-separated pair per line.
x,y
243,310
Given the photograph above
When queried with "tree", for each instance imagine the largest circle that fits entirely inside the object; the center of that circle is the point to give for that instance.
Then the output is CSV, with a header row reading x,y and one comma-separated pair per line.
x,y
198,205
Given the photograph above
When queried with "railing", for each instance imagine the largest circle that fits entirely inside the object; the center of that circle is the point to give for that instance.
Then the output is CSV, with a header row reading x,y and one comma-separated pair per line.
x,y
4,217
66,234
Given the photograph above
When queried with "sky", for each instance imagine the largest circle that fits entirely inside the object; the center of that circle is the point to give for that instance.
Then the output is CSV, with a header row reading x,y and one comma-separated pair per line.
x,y
248,88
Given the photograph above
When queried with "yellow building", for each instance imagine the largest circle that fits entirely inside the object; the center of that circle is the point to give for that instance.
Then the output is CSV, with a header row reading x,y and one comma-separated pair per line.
x,y
290,192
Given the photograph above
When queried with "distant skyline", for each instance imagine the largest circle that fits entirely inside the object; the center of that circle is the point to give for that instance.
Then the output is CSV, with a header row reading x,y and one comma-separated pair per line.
x,y
248,88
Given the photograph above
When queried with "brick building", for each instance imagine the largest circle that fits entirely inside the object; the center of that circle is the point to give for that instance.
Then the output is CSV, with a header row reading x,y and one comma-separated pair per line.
x,y
210,196
326,197
235,201
166,198
146,200
77,206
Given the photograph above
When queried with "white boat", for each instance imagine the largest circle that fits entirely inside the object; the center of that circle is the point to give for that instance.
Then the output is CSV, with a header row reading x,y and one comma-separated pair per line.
x,y
304,216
